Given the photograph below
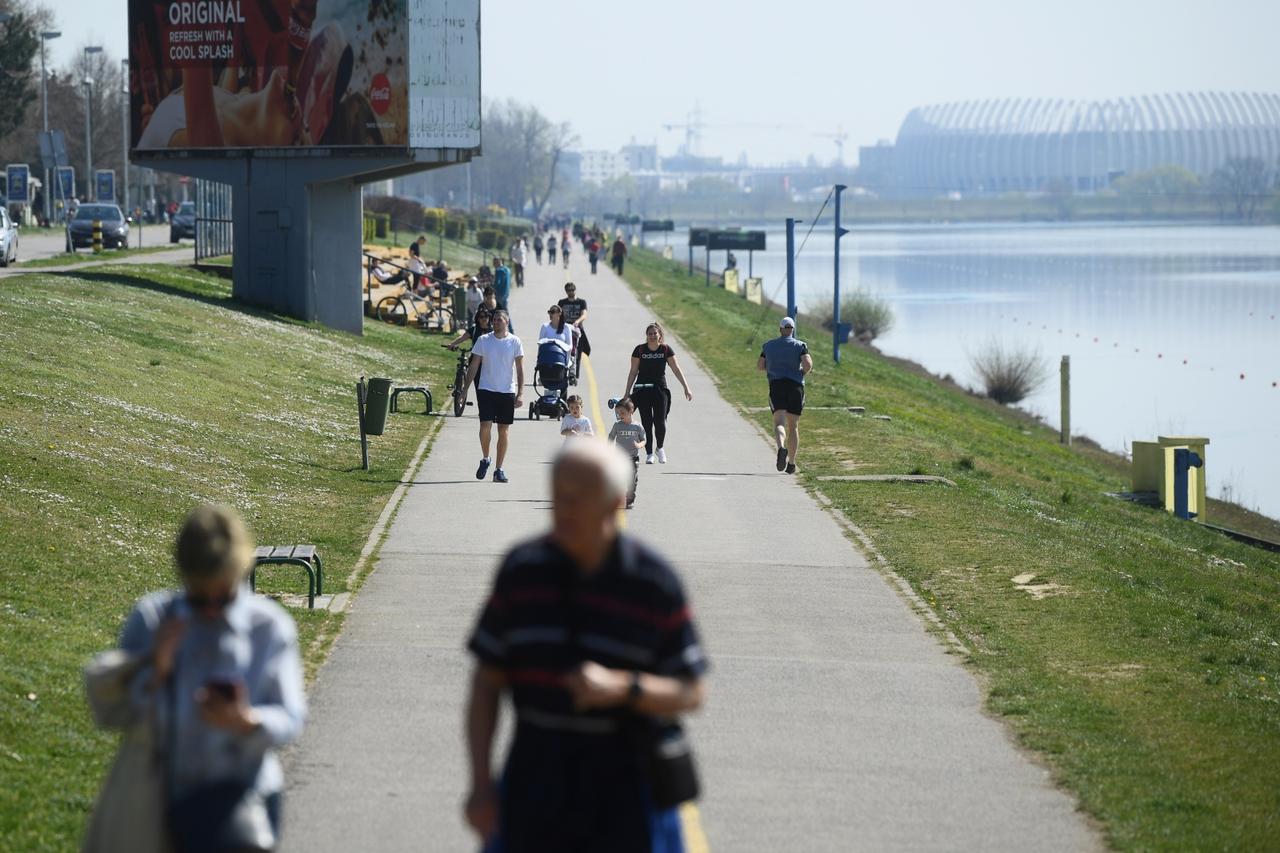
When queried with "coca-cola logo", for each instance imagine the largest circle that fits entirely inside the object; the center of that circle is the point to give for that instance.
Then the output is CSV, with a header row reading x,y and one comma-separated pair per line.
x,y
380,93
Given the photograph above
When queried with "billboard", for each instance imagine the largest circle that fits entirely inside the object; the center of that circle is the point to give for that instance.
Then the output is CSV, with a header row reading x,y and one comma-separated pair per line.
x,y
65,182
740,240
281,74
104,185
17,182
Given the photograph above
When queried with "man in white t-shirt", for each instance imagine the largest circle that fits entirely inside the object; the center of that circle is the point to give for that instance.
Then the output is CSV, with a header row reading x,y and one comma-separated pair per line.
x,y
498,358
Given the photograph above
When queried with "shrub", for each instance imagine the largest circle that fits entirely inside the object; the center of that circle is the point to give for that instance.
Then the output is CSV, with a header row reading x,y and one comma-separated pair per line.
x,y
433,219
453,228
406,214
487,238
870,316
1009,375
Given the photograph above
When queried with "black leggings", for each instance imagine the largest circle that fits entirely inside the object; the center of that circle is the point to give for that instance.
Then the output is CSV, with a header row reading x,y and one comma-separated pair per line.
x,y
652,404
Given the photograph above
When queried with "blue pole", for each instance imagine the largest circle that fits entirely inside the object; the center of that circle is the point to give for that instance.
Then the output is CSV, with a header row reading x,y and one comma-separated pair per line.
x,y
791,268
835,314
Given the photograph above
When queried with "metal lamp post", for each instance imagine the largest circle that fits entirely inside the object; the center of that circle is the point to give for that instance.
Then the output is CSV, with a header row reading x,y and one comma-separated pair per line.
x,y
88,111
44,102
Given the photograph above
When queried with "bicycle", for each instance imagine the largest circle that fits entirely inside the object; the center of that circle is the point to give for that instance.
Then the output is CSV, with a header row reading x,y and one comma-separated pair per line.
x,y
459,387
427,313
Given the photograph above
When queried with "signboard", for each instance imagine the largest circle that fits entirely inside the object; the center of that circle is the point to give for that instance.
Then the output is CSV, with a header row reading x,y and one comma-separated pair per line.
x,y
253,74
740,240
104,185
657,225
18,183
698,236
66,182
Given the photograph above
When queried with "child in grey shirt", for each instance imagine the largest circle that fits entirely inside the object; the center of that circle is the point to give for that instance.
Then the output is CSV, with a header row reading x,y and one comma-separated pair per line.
x,y
630,438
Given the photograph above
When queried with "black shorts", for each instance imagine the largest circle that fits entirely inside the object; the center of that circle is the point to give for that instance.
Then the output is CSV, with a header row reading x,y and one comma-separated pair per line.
x,y
496,407
786,395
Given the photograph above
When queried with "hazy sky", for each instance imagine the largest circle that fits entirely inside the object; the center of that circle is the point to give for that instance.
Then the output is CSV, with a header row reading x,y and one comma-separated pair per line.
x,y
795,69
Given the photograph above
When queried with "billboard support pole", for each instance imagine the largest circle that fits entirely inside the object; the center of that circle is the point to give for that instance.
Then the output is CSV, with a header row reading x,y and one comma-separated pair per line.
x,y
791,268
835,314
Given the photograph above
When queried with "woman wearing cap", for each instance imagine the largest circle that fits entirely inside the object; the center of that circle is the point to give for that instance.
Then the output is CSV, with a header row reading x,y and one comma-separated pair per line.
x,y
647,388
217,671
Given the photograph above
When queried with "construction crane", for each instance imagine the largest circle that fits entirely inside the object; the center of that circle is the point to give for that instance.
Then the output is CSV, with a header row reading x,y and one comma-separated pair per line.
x,y
695,125
838,137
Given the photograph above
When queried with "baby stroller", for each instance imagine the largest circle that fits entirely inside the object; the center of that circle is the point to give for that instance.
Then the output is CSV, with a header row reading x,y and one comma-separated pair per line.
x,y
550,380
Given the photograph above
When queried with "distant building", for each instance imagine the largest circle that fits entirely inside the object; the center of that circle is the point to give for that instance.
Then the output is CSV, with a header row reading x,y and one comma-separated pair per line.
x,y
640,158
598,166
1034,144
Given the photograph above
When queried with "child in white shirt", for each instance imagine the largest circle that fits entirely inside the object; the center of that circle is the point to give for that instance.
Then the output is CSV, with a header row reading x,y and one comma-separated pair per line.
x,y
574,425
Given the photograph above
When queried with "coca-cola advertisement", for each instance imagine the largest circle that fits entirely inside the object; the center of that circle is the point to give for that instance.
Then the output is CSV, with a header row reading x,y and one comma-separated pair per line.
x,y
250,74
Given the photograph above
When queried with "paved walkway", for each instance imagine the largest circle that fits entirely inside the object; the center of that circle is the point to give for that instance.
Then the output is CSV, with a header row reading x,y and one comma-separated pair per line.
x,y
835,721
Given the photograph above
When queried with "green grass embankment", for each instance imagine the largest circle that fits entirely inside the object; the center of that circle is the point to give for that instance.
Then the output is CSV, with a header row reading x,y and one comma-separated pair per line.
x,y
130,394
1137,654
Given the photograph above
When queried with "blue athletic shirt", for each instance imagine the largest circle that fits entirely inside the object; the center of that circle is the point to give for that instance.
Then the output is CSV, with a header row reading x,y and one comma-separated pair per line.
x,y
782,357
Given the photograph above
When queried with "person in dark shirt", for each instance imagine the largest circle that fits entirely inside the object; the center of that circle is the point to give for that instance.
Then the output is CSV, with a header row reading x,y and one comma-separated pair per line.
x,y
619,254
786,362
647,388
575,312
588,632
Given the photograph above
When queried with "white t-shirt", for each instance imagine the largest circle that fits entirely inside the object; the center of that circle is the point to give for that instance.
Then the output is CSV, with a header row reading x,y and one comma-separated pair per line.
x,y
548,331
498,369
582,426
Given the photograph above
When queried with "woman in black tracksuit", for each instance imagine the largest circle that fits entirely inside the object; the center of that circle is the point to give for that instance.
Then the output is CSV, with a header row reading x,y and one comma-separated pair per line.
x,y
647,388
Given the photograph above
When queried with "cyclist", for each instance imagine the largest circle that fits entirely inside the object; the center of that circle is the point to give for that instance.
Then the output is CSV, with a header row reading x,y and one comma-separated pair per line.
x,y
482,326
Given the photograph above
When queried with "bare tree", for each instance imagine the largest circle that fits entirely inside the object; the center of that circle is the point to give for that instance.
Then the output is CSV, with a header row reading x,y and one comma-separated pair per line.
x,y
1241,183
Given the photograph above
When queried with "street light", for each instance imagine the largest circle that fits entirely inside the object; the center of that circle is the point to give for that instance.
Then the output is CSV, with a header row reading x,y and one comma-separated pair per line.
x,y
44,100
88,140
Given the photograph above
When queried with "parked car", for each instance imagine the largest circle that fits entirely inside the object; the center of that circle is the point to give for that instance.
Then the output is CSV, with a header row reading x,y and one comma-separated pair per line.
x,y
183,222
8,239
115,228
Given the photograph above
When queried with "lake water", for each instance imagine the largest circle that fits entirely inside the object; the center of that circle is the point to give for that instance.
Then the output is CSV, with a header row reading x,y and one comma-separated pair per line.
x,y
1172,330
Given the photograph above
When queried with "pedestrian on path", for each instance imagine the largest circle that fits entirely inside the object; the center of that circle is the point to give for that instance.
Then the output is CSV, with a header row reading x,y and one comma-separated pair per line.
x,y
564,252
574,425
619,255
551,250
575,312
502,285
786,362
647,387
208,677
498,359
629,437
583,680
519,257
537,248
593,254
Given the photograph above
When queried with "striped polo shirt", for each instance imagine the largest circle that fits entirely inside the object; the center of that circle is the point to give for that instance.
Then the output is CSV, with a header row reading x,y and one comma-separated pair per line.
x,y
544,618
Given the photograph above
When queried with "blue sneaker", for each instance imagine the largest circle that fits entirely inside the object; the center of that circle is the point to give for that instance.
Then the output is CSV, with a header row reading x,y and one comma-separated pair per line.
x,y
499,476
483,469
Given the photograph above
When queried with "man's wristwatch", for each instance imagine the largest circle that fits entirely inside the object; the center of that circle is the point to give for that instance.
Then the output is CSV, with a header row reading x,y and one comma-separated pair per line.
x,y
635,691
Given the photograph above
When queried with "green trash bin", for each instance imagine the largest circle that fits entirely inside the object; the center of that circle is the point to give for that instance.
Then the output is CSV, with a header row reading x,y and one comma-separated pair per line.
x,y
377,404
460,306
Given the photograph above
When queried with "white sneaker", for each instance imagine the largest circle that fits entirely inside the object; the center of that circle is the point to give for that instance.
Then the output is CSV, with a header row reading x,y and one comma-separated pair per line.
x,y
650,459
662,456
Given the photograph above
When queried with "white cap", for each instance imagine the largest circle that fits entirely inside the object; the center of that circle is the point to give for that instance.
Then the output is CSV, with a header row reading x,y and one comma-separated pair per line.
x,y
787,323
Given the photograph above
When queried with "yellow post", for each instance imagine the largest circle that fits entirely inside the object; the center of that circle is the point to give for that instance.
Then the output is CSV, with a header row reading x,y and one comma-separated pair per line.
x,y
1196,498
755,290
97,236
731,281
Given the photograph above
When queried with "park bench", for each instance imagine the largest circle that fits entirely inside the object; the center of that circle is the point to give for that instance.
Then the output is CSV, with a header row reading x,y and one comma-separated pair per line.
x,y
305,556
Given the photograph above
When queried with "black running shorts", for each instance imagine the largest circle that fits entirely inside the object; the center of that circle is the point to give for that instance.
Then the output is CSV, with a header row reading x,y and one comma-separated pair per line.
x,y
786,395
496,407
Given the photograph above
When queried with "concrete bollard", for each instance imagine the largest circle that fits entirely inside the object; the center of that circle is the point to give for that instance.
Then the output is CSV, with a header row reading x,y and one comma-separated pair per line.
x,y
97,236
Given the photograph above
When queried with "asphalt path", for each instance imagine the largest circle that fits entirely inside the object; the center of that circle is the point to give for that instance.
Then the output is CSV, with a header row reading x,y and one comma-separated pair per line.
x,y
836,721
